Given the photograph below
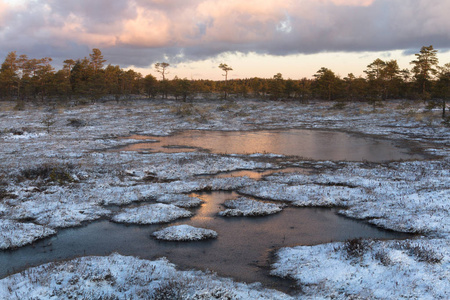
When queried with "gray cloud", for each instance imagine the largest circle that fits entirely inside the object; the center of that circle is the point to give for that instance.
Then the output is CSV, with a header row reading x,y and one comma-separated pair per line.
x,y
141,32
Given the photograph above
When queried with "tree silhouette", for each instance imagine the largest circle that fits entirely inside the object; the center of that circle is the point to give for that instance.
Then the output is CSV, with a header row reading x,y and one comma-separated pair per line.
x,y
425,67
226,69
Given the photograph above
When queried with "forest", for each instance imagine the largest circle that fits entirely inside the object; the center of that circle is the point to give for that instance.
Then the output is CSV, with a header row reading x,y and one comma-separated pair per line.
x,y
90,78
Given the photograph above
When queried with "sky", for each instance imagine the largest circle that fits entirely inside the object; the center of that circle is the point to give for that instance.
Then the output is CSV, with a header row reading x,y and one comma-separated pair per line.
x,y
257,38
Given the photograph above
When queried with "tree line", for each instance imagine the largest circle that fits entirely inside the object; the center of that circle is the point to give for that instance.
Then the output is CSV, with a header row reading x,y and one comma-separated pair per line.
x,y
24,78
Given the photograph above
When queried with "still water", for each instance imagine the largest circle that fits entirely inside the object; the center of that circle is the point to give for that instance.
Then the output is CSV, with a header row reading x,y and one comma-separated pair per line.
x,y
309,144
245,246
243,249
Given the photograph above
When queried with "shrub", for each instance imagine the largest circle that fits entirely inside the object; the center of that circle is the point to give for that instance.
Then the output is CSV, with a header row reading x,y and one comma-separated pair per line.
x,y
355,248
168,290
48,172
339,105
48,121
383,257
423,253
77,123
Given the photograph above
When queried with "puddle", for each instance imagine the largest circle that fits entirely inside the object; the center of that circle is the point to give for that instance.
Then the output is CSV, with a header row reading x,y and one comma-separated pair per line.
x,y
311,144
256,174
242,250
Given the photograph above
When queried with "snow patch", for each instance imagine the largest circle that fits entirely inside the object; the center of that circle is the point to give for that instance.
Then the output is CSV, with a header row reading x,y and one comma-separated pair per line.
x,y
16,234
369,269
248,207
151,214
125,277
180,200
184,233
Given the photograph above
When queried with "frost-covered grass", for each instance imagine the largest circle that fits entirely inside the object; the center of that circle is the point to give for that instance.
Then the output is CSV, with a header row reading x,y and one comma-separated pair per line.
x,y
247,207
409,196
404,196
406,269
124,277
180,200
184,233
16,234
151,214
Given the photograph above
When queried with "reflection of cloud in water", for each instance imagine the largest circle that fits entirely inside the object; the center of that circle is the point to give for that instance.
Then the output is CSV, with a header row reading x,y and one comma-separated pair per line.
x,y
312,144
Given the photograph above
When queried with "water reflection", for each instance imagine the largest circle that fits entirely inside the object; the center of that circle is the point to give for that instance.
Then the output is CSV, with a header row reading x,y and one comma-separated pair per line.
x,y
312,144
242,249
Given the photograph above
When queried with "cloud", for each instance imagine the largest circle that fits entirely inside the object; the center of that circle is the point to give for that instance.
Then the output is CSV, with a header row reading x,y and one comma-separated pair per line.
x,y
140,32
353,2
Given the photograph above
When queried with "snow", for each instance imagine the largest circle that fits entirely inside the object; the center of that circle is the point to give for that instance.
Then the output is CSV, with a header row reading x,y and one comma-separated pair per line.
x,y
248,207
151,214
416,269
16,234
301,195
180,200
124,277
408,196
184,233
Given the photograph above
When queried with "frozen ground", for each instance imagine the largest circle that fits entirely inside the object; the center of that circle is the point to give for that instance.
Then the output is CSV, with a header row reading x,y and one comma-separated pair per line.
x,y
417,269
61,176
248,207
151,214
411,196
184,233
180,200
124,277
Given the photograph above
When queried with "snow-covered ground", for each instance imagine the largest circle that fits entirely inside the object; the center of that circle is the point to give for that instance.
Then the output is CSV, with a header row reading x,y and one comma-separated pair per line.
x,y
411,269
411,196
62,176
180,200
247,207
184,233
15,234
124,277
151,214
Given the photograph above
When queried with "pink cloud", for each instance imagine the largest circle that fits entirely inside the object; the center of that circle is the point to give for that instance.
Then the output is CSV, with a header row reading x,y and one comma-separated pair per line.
x,y
353,2
148,29
205,28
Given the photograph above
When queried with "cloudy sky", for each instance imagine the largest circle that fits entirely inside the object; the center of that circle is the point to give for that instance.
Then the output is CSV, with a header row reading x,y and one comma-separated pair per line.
x,y
255,37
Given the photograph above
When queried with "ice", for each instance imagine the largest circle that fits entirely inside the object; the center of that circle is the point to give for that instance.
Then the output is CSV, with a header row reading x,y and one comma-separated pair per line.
x,y
180,200
248,207
184,233
16,234
124,277
151,214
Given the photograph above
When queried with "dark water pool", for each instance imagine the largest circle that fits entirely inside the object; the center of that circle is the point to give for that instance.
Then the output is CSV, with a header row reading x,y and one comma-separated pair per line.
x,y
243,249
311,144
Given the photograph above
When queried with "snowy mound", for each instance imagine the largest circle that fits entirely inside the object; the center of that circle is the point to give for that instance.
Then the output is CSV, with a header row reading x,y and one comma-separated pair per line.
x,y
151,214
359,269
184,233
303,195
16,234
180,200
124,277
248,207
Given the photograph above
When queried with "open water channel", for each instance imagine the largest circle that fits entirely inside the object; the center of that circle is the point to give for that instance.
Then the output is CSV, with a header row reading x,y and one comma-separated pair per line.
x,y
245,245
